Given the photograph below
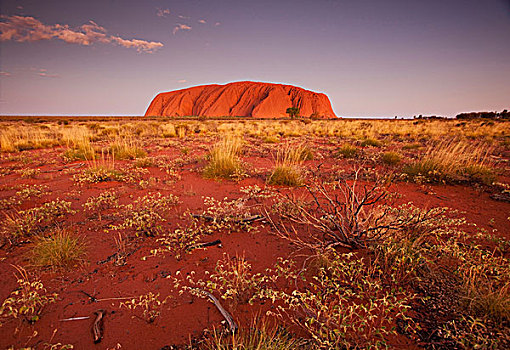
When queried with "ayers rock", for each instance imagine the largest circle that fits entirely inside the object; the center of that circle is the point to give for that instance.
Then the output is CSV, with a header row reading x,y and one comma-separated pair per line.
x,y
240,99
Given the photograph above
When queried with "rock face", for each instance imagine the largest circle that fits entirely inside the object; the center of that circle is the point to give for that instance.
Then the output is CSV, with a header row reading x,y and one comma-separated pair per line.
x,y
240,99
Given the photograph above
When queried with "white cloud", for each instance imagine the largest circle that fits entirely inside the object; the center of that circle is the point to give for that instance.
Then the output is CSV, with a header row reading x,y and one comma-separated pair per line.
x,y
46,75
182,81
22,28
5,74
183,17
202,21
43,73
163,12
181,27
139,45
217,24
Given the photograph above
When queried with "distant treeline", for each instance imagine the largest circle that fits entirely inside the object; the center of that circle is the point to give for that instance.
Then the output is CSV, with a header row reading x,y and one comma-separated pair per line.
x,y
486,115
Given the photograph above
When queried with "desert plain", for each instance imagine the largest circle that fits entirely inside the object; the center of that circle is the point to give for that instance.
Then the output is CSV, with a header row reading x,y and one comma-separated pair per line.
x,y
115,232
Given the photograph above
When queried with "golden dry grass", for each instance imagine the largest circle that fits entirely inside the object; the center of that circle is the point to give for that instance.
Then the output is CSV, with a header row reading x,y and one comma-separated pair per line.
x,y
126,148
224,159
453,160
258,336
17,136
62,249
288,170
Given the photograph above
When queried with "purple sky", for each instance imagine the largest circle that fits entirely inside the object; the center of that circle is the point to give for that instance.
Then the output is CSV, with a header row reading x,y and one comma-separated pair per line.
x,y
371,57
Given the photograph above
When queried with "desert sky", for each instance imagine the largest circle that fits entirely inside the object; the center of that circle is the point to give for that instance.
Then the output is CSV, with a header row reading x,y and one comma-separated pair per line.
x,y
372,58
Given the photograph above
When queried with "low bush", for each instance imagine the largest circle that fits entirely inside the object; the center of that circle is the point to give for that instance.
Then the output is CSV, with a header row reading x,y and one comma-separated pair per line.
x,y
123,148
147,214
104,201
23,224
232,279
149,303
81,152
27,301
257,336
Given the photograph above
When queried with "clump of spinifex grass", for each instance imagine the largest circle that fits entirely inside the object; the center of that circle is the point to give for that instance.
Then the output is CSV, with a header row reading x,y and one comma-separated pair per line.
x,y
224,159
259,335
371,142
124,148
347,151
60,250
487,297
78,144
99,170
287,170
391,158
453,161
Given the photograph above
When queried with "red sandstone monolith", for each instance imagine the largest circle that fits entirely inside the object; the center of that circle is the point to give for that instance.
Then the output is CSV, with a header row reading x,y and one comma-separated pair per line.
x,y
241,99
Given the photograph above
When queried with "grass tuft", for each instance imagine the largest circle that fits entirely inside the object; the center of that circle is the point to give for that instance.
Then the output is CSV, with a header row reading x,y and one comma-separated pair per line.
x,y
347,151
485,297
390,158
60,250
99,170
371,142
453,161
124,148
256,337
224,159
287,171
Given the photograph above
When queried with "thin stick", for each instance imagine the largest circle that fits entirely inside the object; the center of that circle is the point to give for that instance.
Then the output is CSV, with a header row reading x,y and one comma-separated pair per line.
x,y
97,327
120,298
226,315
75,318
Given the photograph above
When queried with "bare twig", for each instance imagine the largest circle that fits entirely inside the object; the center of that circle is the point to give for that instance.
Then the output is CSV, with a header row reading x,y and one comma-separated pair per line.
x,y
119,298
97,327
350,219
230,320
75,318
205,244
92,298
247,220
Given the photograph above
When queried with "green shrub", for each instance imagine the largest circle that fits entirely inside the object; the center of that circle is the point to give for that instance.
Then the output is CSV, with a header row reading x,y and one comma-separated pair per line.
x,y
411,146
286,175
82,152
255,337
126,149
104,201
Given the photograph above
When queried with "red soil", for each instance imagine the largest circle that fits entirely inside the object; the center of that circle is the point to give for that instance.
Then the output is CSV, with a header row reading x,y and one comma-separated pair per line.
x,y
184,317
